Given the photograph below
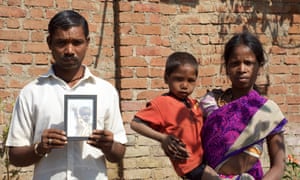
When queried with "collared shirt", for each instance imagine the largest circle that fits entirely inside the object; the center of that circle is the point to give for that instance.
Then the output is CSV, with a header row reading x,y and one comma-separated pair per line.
x,y
40,105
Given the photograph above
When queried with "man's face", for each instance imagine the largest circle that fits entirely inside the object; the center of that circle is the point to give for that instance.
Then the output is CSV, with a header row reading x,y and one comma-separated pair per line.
x,y
68,47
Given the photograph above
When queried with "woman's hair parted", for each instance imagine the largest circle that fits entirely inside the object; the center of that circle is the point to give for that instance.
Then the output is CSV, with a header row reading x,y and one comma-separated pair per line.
x,y
177,59
67,19
249,40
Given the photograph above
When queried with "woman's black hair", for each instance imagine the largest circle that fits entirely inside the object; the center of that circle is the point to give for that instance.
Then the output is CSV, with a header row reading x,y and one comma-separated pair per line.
x,y
67,19
177,59
249,40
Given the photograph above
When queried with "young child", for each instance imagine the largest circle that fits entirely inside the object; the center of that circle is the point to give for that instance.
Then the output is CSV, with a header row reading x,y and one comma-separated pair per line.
x,y
175,120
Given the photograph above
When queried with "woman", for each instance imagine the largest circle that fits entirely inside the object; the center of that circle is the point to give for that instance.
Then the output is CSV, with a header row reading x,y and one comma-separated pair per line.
x,y
239,120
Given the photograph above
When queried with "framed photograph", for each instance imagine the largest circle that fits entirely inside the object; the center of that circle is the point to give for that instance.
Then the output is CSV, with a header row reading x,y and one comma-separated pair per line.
x,y
80,116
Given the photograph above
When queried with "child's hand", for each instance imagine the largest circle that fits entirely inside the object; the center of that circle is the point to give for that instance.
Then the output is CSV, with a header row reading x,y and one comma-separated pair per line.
x,y
174,148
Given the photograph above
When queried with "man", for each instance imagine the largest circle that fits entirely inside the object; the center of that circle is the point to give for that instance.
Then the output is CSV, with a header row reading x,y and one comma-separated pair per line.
x,y
37,133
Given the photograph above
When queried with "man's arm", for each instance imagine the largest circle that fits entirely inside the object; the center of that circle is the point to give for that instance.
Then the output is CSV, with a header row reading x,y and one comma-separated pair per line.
x,y
28,155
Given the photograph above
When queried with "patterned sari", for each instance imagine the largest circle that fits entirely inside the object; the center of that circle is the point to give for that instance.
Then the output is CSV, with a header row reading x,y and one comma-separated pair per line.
x,y
234,127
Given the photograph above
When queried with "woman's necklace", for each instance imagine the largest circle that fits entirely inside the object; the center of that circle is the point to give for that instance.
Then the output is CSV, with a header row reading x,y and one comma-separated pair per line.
x,y
225,98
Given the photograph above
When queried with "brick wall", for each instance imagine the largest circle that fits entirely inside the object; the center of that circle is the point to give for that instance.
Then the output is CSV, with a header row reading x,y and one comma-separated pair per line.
x,y
130,41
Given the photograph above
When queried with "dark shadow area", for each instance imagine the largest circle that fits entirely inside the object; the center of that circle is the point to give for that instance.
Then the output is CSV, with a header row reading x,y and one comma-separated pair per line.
x,y
116,10
191,3
101,35
255,14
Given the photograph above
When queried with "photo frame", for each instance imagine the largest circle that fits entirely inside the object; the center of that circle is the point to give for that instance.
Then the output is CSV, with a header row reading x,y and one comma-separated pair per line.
x,y
80,116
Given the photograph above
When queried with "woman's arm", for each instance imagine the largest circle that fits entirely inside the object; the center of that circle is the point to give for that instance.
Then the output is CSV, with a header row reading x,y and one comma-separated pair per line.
x,y
276,151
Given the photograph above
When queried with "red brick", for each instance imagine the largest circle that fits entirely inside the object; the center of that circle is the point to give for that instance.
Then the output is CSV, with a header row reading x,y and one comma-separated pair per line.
x,y
44,3
125,28
14,2
148,29
3,70
36,24
277,89
158,83
144,8
295,70
132,18
37,70
126,51
133,61
155,18
294,29
134,83
142,72
13,23
11,12
41,59
152,51
126,72
167,9
293,99
19,58
125,6
36,13
133,40
292,79
132,105
292,60
2,83
296,18
37,47
126,94
16,83
4,94
38,36
127,117
279,69
18,35
15,47
62,4
156,72
149,94
158,61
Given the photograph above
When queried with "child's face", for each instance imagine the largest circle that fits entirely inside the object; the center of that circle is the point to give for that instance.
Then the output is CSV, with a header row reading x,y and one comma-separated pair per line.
x,y
182,81
242,68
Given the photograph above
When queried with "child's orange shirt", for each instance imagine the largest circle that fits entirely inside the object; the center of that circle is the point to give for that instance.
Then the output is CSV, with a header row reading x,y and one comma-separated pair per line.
x,y
171,116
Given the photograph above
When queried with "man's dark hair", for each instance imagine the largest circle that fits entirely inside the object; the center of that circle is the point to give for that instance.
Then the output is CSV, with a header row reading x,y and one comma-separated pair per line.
x,y
67,19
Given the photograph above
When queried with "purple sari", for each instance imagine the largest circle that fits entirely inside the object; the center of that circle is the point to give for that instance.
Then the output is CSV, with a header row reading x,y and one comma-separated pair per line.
x,y
224,126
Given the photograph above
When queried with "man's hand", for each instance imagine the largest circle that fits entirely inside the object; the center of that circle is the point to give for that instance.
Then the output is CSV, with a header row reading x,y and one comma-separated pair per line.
x,y
52,138
104,140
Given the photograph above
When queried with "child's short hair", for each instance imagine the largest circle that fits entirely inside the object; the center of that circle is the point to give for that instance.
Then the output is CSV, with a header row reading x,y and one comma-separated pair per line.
x,y
177,59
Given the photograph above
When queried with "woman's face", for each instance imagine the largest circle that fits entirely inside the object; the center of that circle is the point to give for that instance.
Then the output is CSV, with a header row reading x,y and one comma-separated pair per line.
x,y
182,81
242,68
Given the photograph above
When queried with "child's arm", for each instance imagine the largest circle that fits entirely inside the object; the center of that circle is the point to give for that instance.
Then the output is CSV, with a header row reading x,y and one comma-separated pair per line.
x,y
143,128
173,147
276,151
